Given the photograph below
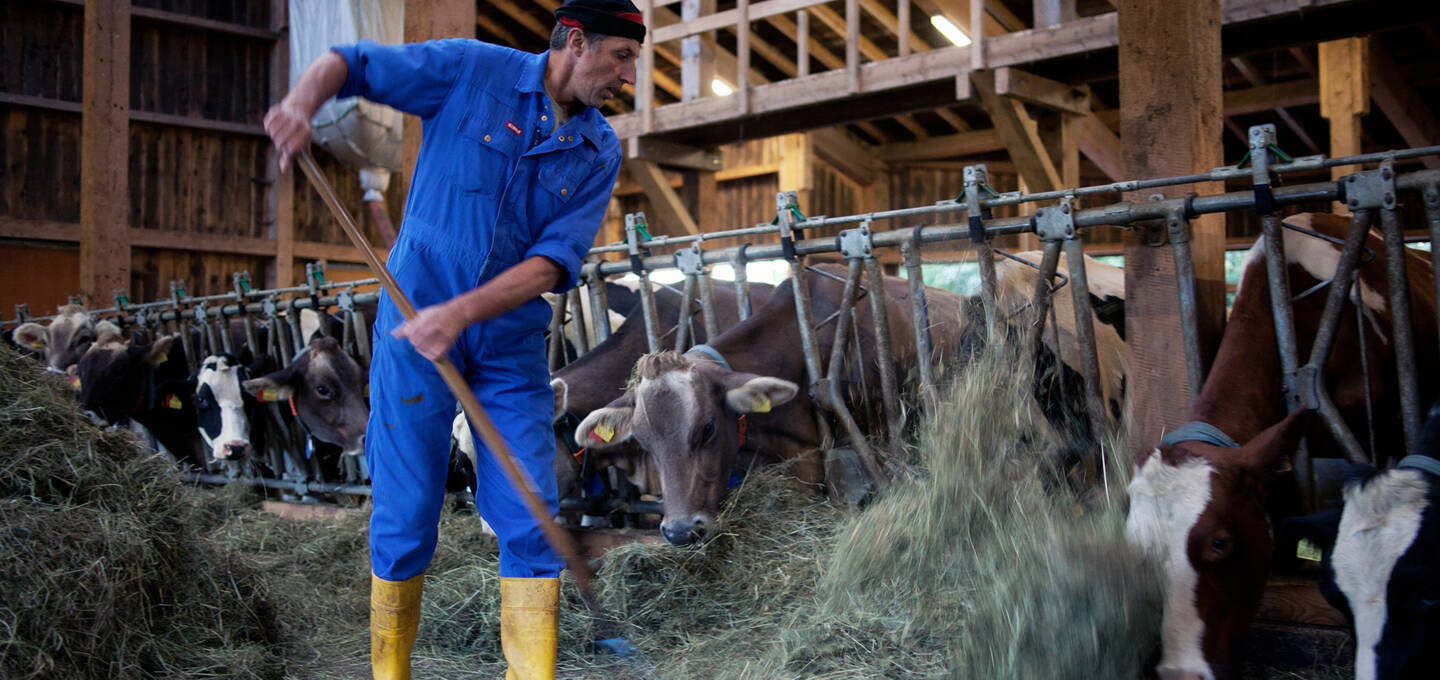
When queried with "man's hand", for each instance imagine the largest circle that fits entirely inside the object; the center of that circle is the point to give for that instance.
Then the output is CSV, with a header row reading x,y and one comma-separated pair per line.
x,y
433,331
289,127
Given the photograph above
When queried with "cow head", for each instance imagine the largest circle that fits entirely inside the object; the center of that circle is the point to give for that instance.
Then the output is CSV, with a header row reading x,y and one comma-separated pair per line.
x,y
63,342
1378,567
1199,511
685,411
325,388
220,407
116,377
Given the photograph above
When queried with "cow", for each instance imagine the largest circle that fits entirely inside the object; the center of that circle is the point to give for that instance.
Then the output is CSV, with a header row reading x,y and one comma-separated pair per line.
x,y
223,410
63,342
723,407
1198,498
1015,286
325,388
1380,561
118,380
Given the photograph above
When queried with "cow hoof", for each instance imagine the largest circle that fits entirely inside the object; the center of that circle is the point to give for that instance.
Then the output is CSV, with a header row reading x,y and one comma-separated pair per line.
x,y
846,478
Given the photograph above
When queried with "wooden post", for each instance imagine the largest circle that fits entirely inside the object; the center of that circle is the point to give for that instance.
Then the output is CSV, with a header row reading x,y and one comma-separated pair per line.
x,y
796,171
852,45
105,151
697,60
430,20
802,43
902,27
1170,113
742,56
280,200
1344,99
699,195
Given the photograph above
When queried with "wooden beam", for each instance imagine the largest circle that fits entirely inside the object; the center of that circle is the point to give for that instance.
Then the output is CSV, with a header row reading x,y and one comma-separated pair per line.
x,y
1400,103
1344,99
171,239
700,194
697,61
280,197
1053,12
495,29
520,16
1003,15
958,145
958,12
105,151
1253,77
1170,103
892,23
1041,91
668,208
846,154
672,154
1018,132
189,21
1101,146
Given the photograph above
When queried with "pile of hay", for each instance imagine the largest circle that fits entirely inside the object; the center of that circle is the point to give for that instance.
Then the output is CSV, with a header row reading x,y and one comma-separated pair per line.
x,y
105,568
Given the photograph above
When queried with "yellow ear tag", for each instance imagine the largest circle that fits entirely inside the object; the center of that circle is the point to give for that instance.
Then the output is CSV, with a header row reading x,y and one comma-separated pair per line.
x,y
174,403
1306,550
75,381
761,405
37,344
269,394
605,431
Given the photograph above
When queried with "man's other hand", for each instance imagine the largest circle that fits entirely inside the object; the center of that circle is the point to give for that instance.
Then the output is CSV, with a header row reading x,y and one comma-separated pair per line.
x,y
433,331
289,127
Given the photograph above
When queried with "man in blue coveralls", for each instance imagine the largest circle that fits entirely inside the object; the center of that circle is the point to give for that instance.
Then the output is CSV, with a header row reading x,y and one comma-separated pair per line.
x,y
515,170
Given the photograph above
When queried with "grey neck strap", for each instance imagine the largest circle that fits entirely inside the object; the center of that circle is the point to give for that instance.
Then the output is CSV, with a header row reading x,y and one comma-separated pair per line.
x,y
712,354
1421,463
1196,431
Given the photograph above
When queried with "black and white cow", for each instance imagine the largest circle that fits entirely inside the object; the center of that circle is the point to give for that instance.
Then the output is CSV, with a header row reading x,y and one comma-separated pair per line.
x,y
61,343
119,380
1381,562
223,410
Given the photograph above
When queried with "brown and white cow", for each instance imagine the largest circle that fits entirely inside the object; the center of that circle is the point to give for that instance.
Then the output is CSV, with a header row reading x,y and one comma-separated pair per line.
x,y
63,341
1198,504
686,410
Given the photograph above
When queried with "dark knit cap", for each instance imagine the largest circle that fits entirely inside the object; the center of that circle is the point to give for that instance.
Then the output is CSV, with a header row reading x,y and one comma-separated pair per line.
x,y
603,17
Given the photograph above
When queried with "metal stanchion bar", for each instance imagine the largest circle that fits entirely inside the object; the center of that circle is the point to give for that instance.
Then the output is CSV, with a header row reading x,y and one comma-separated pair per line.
x,y
682,324
828,390
1431,194
884,354
600,304
1179,228
1040,300
920,317
577,313
707,306
555,352
742,281
1397,277
1085,337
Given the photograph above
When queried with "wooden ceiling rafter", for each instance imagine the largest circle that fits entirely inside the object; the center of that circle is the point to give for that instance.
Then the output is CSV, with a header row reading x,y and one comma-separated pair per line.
x,y
1253,76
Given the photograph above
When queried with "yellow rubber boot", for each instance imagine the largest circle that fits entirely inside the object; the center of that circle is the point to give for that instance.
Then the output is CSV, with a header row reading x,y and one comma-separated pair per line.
x,y
394,616
529,626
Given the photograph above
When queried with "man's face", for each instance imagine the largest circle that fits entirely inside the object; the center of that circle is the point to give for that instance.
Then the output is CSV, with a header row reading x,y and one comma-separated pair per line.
x,y
602,68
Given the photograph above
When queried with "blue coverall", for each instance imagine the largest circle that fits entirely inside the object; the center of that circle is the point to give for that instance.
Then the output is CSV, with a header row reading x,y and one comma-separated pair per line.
x,y
494,185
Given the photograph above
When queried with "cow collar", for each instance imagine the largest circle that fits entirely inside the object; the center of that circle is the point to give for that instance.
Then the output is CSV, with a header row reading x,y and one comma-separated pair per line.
x,y
1421,463
713,354
1196,431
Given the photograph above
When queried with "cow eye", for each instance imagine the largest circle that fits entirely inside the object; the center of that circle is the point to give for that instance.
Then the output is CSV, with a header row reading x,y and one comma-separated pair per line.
x,y
709,432
1220,545
323,391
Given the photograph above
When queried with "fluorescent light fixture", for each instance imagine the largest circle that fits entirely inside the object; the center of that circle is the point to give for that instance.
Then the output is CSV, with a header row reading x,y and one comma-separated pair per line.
x,y
949,30
721,88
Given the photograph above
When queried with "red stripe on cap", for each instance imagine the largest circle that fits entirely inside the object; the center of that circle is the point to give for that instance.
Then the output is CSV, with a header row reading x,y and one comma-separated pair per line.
x,y
572,23
632,17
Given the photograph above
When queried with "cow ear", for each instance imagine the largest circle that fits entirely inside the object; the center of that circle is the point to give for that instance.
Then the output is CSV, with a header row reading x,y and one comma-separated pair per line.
x,y
608,426
1264,453
562,398
759,394
155,353
309,324
269,388
31,336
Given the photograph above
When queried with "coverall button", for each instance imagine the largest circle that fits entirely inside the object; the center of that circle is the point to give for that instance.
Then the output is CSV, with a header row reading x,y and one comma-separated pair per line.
x,y
564,191
487,138
544,117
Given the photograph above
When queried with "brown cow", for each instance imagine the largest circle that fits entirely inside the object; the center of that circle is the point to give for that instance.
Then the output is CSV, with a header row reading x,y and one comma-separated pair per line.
x,y
63,342
686,409
1198,505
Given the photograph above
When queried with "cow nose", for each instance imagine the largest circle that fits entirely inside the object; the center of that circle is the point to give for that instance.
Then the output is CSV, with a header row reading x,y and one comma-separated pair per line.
x,y
236,448
96,418
681,532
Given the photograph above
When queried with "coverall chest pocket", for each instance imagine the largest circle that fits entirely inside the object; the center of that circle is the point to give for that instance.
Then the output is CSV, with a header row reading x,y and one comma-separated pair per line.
x,y
561,172
490,141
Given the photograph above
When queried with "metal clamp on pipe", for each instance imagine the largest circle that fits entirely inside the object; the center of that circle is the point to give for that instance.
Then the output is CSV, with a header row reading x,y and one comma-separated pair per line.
x,y
787,214
1262,146
315,282
855,243
1055,223
976,182
634,229
1371,189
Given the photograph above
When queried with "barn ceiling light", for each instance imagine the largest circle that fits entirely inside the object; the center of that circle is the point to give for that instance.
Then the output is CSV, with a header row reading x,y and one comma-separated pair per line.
x,y
949,30
721,88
